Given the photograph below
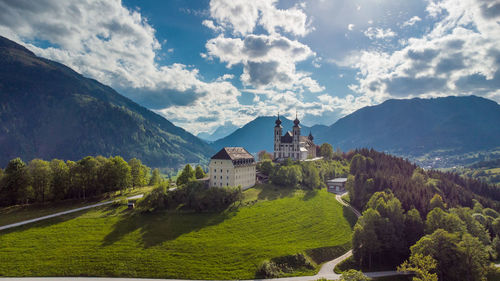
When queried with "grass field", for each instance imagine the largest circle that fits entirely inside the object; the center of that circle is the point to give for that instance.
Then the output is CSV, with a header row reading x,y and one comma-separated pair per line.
x,y
19,213
112,241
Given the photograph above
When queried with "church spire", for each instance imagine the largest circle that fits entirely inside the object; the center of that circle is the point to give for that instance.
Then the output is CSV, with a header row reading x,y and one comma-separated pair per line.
x,y
278,121
296,122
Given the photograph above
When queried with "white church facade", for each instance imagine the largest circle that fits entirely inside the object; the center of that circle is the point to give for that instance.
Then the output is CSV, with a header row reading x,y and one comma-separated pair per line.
x,y
292,145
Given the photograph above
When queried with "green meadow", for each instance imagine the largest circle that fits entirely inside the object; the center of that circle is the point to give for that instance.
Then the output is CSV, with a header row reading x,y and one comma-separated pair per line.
x,y
114,241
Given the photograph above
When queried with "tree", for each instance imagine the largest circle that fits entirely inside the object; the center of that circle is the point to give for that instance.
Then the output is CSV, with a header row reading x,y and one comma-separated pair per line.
x,y
266,167
326,150
186,175
414,226
353,275
14,187
155,177
199,173
310,175
365,240
60,179
437,218
474,257
422,266
119,174
442,246
40,175
437,202
288,176
87,172
264,155
139,172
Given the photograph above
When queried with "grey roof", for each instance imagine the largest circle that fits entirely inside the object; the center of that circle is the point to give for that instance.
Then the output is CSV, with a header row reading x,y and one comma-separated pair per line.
x,y
337,180
233,153
287,138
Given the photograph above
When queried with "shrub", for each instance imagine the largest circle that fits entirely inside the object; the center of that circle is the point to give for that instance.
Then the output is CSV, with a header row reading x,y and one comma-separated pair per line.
x,y
269,269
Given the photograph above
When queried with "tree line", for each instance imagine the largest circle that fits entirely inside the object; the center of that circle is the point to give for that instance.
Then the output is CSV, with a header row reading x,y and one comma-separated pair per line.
x,y
304,174
42,181
450,244
373,171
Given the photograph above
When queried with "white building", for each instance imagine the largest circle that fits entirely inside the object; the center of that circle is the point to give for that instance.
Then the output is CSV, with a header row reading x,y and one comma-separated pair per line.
x,y
292,145
232,166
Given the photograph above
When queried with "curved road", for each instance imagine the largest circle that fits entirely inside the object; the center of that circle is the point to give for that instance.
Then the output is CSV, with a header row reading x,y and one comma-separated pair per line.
x,y
326,270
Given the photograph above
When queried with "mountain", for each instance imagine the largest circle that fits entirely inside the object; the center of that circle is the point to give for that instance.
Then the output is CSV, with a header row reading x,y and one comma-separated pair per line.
x,y
49,111
438,132
258,134
419,126
219,133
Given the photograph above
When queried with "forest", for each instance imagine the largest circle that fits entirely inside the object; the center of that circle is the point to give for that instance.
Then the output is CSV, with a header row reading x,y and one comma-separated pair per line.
x,y
41,181
439,225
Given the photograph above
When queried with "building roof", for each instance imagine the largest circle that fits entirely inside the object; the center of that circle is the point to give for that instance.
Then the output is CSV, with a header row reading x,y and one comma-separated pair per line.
x,y
337,180
232,153
287,138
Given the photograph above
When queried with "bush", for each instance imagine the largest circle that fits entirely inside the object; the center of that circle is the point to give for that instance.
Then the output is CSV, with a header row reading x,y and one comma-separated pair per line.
x,y
269,269
193,196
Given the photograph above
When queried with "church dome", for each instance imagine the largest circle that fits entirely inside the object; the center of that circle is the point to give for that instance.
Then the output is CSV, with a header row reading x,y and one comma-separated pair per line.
x,y
278,121
296,122
310,136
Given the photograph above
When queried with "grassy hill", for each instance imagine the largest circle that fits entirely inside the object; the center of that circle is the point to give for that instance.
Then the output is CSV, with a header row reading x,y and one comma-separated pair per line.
x,y
48,111
112,241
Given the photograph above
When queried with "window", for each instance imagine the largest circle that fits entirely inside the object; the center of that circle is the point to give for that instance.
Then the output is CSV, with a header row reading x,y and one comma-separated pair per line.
x,y
215,170
215,177
221,170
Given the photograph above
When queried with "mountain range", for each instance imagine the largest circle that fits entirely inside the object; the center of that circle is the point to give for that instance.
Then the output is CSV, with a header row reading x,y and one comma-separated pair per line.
x,y
47,111
258,134
406,127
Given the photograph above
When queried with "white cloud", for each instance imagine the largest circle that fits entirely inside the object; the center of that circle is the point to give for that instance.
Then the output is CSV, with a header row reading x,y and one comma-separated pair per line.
x,y
243,16
411,21
350,26
379,33
460,55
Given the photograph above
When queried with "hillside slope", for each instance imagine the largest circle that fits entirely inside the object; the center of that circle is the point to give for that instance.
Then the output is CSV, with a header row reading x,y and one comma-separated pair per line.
x,y
258,134
418,126
49,111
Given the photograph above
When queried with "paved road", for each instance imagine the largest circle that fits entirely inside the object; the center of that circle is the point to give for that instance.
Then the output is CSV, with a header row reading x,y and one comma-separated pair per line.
x,y
326,270
63,213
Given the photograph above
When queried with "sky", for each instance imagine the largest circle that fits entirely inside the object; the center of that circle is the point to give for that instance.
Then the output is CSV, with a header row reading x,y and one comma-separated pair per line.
x,y
207,63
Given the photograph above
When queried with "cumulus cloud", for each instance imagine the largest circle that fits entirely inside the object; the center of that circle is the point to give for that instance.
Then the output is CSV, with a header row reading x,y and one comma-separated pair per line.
x,y
268,58
411,21
458,56
379,33
243,16
350,26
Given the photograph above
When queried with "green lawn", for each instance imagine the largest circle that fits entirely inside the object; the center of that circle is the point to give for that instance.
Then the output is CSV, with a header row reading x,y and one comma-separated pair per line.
x,y
19,213
112,241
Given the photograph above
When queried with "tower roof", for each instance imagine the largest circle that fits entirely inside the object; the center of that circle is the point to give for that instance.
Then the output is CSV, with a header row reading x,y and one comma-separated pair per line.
x,y
278,121
310,136
296,122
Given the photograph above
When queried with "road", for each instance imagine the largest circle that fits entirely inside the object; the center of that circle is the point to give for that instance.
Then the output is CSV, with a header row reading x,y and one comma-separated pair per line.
x,y
64,213
326,270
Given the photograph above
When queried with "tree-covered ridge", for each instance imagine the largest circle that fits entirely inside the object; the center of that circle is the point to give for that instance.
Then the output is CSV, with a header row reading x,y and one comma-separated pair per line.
x,y
449,244
373,171
42,181
486,171
49,111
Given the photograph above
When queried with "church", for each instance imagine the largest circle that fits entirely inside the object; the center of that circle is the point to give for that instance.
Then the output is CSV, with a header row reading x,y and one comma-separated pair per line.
x,y
292,145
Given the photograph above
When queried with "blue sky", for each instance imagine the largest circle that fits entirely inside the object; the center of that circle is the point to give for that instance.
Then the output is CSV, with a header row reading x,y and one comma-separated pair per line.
x,y
203,64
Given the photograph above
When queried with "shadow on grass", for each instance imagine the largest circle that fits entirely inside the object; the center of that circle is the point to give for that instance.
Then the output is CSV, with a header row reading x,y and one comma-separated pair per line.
x,y
349,215
309,194
45,223
272,192
159,227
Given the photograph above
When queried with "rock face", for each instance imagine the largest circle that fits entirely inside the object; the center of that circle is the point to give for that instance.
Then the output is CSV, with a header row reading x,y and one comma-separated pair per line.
x,y
49,111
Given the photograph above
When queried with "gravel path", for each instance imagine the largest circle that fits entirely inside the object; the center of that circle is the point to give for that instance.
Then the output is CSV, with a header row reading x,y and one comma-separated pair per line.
x,y
63,213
